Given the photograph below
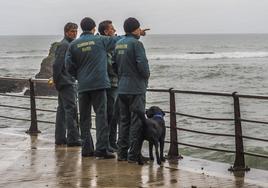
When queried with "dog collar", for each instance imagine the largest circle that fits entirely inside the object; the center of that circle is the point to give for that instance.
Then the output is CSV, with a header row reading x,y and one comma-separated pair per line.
x,y
158,115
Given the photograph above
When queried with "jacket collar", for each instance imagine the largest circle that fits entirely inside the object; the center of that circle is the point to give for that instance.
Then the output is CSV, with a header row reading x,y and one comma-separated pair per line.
x,y
86,33
131,35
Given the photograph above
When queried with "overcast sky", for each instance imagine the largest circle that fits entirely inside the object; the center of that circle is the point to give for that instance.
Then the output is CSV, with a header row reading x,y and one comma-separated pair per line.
x,y
26,17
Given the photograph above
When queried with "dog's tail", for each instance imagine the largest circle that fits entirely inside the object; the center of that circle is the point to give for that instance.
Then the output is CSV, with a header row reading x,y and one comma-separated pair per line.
x,y
141,115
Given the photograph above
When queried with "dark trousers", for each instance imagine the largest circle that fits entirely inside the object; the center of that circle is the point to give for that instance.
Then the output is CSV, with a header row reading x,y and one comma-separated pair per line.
x,y
112,114
129,141
66,117
98,100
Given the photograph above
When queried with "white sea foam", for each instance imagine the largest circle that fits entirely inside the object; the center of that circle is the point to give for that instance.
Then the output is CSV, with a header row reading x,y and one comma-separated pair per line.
x,y
26,51
21,57
203,55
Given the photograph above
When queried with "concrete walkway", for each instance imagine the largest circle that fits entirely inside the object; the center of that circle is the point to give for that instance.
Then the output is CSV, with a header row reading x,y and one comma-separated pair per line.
x,y
35,162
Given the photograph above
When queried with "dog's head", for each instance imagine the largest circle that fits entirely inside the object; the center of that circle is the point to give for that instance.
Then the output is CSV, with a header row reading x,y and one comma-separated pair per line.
x,y
155,111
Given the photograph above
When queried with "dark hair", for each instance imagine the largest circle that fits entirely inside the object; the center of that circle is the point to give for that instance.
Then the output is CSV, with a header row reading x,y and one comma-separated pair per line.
x,y
70,26
131,24
87,24
103,26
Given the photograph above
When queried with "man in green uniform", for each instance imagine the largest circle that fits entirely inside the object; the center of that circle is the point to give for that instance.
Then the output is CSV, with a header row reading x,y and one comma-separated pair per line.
x,y
106,28
64,83
133,72
86,59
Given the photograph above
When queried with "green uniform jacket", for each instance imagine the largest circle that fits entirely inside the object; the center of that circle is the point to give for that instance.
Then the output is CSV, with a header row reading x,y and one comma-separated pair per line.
x,y
86,60
60,76
132,66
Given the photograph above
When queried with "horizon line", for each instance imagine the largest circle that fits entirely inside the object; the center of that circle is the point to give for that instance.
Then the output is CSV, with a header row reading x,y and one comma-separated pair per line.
x,y
147,34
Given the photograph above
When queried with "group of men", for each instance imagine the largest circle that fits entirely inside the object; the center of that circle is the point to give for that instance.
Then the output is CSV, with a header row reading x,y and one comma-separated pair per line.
x,y
112,73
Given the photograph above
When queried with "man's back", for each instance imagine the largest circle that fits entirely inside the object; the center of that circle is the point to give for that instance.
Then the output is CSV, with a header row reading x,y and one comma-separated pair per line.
x,y
60,75
88,55
132,64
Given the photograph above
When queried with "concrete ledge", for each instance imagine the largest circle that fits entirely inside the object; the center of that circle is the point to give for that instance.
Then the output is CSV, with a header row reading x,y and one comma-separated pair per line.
x,y
35,162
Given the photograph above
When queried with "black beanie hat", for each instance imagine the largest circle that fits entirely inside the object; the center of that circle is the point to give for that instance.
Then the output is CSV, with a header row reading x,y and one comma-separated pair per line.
x,y
87,24
131,24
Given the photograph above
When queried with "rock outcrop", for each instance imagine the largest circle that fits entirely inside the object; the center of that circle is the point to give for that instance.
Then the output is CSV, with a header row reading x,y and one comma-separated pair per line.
x,y
46,73
46,64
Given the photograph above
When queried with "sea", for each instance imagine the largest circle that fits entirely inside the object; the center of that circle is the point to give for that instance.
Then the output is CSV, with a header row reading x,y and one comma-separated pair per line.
x,y
207,62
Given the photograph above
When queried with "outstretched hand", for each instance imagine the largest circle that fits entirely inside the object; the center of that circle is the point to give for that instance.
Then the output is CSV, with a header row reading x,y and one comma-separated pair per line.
x,y
143,31
50,82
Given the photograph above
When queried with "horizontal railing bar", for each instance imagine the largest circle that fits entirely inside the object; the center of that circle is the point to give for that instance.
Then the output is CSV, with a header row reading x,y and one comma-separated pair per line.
x,y
167,112
256,155
200,117
26,108
10,78
209,93
207,148
191,92
205,118
9,95
252,138
39,80
50,122
201,132
6,117
154,90
254,121
42,121
44,110
252,96
17,107
201,147
48,98
217,119
202,93
158,90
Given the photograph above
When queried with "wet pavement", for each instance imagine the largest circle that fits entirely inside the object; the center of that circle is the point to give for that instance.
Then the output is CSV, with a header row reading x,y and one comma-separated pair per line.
x,y
36,162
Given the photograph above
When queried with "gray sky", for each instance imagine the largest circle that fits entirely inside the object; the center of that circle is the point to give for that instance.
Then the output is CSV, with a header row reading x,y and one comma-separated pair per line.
x,y
26,17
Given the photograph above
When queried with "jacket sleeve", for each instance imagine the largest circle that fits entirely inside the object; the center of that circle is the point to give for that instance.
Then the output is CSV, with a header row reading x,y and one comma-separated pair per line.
x,y
70,63
59,60
109,42
141,60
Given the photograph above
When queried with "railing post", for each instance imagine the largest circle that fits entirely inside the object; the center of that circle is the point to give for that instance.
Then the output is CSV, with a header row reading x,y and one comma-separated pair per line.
x,y
239,164
173,152
33,130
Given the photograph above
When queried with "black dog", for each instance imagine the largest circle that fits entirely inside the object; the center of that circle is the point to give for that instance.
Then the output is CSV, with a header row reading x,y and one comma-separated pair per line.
x,y
154,131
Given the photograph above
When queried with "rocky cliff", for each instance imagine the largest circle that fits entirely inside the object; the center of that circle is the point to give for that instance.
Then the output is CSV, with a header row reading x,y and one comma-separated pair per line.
x,y
46,72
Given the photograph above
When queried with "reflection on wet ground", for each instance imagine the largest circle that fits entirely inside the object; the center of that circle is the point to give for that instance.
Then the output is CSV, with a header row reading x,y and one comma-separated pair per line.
x,y
35,162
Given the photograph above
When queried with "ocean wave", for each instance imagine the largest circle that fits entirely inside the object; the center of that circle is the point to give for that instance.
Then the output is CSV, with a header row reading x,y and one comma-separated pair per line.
x,y
21,57
25,51
208,55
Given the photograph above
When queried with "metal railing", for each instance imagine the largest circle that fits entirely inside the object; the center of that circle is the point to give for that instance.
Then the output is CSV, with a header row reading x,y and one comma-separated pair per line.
x,y
239,163
173,153
33,130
